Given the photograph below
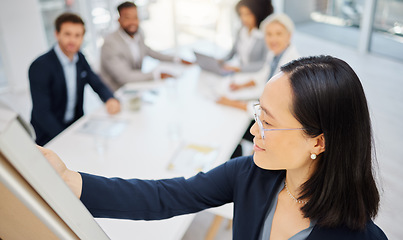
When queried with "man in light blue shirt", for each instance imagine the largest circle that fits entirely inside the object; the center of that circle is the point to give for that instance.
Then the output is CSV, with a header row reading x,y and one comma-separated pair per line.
x,y
70,73
57,80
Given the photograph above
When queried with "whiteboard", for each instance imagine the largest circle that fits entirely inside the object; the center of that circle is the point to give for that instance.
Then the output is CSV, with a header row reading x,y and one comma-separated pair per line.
x,y
20,155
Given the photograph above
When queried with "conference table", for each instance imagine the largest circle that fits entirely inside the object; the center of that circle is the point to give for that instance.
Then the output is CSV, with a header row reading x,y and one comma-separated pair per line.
x,y
177,119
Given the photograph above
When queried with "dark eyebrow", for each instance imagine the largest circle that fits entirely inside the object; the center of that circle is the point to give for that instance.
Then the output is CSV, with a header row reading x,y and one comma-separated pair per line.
x,y
267,112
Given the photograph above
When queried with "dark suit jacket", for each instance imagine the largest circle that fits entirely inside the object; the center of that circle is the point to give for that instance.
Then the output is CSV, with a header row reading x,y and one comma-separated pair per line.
x,y
251,188
49,94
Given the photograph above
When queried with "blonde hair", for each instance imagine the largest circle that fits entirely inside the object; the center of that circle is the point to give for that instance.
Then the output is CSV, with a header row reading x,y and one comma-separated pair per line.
x,y
281,18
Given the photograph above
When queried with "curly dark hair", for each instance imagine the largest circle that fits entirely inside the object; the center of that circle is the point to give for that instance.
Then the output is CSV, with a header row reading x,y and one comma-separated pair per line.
x,y
126,4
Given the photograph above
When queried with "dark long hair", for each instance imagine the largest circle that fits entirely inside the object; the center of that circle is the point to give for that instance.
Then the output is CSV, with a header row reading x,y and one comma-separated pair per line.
x,y
259,8
328,98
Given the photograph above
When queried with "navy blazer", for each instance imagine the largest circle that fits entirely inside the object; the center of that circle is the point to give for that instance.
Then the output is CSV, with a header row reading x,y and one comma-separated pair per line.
x,y
240,181
49,94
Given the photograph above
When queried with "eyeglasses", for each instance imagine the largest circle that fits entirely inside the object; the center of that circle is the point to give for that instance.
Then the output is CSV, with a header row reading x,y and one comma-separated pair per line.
x,y
258,111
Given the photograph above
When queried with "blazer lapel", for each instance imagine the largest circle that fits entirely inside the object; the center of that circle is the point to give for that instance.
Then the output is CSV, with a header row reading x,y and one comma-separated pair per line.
x,y
81,77
126,50
142,47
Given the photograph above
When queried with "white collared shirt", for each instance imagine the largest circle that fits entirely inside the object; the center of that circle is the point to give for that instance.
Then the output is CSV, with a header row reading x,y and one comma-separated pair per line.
x,y
133,44
246,42
70,74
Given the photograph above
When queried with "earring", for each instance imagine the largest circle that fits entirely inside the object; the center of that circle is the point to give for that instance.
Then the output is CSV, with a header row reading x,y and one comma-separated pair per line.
x,y
313,156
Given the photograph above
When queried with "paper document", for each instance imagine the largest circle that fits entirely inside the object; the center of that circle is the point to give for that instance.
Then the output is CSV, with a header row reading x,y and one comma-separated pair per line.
x,y
142,86
106,127
245,94
193,158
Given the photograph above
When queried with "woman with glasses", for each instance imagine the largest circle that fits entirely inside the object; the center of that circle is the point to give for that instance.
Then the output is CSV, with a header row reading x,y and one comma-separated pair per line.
x,y
310,176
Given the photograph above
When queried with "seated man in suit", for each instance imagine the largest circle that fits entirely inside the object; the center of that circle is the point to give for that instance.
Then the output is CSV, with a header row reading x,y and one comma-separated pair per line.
x,y
57,81
123,51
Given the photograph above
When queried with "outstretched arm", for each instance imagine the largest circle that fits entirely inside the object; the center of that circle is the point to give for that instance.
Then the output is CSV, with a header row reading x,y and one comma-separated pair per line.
x,y
149,199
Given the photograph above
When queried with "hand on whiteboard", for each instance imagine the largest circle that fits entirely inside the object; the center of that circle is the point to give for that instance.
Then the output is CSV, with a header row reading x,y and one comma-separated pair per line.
x,y
54,160
72,179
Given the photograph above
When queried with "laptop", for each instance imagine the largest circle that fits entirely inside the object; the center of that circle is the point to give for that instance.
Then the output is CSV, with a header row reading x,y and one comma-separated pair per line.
x,y
211,64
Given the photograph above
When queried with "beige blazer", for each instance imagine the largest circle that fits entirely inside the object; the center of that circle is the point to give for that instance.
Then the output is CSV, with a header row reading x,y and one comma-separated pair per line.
x,y
118,66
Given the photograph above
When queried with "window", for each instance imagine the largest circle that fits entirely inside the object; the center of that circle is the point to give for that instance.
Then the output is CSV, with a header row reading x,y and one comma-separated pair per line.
x,y
335,20
387,30
340,21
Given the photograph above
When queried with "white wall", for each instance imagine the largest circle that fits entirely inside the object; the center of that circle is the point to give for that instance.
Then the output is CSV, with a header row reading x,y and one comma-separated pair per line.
x,y
22,39
299,11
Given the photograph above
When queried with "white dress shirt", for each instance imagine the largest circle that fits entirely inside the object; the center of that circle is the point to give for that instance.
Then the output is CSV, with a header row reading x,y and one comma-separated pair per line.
x,y
245,44
70,74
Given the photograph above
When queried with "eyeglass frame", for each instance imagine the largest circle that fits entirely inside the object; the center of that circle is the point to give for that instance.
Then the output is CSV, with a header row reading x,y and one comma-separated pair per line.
x,y
260,124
